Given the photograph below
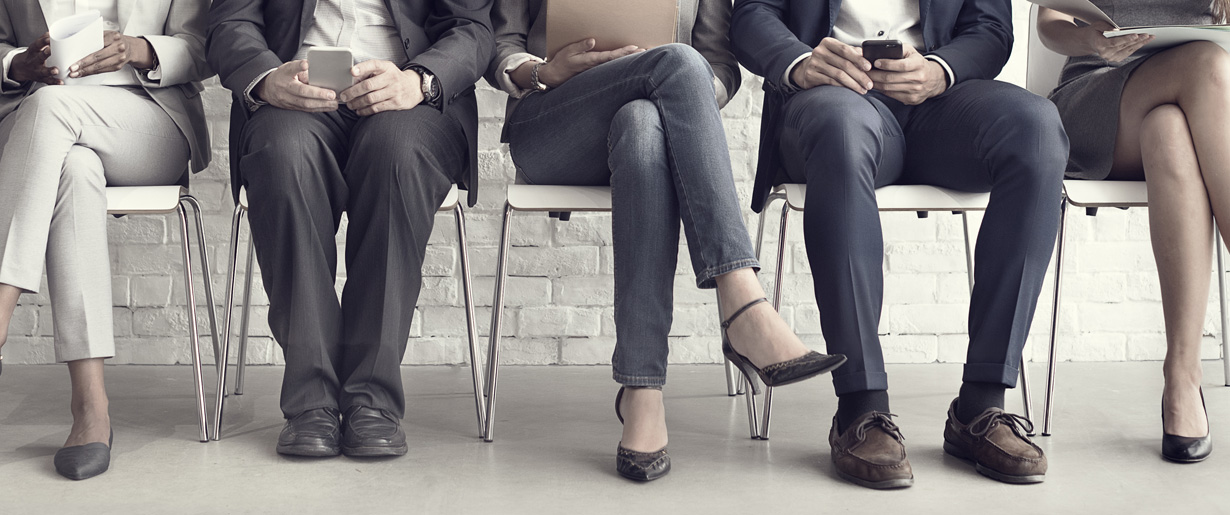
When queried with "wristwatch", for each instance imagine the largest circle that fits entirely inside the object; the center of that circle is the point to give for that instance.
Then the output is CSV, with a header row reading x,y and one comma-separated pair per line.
x,y
431,88
538,84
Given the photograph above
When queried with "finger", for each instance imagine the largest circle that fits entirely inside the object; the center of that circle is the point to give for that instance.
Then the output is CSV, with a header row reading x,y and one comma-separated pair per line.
x,y
110,64
580,47
849,69
51,79
907,64
312,105
301,90
840,77
367,69
847,52
387,105
370,99
611,55
367,86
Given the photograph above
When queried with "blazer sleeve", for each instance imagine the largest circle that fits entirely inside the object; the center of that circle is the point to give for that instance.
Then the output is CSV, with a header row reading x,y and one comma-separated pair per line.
x,y
181,46
761,40
710,37
461,30
982,40
510,21
9,44
235,44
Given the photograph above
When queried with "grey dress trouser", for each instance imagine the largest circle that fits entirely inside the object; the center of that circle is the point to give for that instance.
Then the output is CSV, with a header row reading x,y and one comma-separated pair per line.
x,y
979,136
389,172
62,147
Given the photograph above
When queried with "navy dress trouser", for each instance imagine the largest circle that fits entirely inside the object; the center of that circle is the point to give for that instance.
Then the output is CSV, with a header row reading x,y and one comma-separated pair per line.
x,y
978,136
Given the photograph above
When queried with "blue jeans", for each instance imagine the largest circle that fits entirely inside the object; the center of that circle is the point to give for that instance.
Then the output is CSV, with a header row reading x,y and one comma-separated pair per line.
x,y
979,136
648,125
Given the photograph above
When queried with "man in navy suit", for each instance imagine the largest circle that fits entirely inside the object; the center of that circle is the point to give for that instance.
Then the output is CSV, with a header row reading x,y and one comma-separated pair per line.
x,y
846,126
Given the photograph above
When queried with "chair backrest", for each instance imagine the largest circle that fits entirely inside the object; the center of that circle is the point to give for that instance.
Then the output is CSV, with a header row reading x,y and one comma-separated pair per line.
x,y
1044,64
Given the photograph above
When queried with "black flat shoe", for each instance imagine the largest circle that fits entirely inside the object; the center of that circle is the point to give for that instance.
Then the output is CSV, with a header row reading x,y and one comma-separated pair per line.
x,y
371,432
314,433
84,461
1187,449
787,372
639,466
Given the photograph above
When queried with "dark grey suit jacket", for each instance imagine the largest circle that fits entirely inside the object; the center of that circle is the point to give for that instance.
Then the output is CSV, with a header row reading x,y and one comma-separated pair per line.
x,y
520,27
451,38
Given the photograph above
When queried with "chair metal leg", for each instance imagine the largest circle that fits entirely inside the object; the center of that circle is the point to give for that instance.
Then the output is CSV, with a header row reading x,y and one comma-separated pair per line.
x,y
192,328
241,362
229,304
1050,366
206,270
778,283
1221,300
497,311
467,289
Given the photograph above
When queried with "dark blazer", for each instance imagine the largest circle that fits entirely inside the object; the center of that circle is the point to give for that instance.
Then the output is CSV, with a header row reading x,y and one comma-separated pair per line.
x,y
973,36
451,38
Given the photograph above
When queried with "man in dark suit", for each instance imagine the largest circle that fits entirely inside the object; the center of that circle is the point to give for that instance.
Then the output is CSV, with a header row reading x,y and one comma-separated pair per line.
x,y
845,126
387,150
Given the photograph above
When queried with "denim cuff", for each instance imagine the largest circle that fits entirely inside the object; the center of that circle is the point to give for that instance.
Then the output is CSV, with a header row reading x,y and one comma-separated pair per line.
x,y
643,381
707,279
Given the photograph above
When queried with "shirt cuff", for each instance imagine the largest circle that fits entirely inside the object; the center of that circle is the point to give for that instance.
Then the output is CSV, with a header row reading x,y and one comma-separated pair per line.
x,y
8,61
952,77
253,103
510,63
786,82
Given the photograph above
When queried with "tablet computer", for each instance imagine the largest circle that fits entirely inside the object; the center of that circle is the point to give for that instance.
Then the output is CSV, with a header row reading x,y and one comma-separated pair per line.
x,y
612,23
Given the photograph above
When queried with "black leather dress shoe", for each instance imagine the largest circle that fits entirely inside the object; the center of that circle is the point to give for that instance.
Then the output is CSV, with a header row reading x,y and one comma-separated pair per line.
x,y
311,433
1187,449
372,432
84,461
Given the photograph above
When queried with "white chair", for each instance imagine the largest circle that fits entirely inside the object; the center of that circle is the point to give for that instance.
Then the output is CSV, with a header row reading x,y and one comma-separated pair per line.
x,y
451,203
559,202
154,200
916,198
1042,76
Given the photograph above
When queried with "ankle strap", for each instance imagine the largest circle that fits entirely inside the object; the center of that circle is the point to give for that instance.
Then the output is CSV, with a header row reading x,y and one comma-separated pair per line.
x,y
726,324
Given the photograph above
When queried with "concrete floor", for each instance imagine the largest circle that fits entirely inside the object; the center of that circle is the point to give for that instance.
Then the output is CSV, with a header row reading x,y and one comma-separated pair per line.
x,y
555,442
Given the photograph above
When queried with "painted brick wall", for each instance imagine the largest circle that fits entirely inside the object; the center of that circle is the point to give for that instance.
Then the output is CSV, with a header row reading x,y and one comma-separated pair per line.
x,y
559,294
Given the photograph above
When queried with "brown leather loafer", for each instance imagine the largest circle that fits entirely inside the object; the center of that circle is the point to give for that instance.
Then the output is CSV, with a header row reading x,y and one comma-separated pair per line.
x,y
995,441
871,452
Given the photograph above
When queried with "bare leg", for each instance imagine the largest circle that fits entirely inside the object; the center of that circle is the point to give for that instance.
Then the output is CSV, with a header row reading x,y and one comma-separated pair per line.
x,y
644,420
760,333
1172,130
8,304
91,422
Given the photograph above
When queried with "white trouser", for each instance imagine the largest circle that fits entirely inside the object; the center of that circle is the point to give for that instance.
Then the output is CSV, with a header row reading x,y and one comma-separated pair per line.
x,y
61,148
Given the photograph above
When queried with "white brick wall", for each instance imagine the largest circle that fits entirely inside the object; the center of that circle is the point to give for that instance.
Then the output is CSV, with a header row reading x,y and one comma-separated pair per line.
x,y
559,293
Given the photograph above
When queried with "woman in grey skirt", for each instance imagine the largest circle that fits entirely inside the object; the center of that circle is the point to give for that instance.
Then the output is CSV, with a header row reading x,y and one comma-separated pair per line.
x,y
131,115
647,123
1157,116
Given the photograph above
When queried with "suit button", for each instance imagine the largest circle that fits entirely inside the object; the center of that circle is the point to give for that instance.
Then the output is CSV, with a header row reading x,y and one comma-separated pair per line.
x,y
406,43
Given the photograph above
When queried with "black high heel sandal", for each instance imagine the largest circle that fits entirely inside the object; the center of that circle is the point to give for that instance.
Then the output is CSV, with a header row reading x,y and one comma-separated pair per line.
x,y
1187,449
787,372
639,466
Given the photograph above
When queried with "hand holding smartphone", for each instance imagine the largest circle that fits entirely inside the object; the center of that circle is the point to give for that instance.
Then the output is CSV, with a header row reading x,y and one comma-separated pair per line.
x,y
329,68
874,49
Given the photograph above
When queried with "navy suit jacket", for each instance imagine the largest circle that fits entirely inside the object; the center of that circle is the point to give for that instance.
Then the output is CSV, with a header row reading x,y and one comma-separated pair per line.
x,y
973,36
451,38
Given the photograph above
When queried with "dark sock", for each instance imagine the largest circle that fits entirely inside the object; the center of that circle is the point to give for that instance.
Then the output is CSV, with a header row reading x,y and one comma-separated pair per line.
x,y
976,398
853,405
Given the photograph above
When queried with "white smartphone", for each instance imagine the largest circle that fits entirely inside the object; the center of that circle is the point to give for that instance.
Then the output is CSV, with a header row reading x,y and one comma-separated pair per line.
x,y
329,67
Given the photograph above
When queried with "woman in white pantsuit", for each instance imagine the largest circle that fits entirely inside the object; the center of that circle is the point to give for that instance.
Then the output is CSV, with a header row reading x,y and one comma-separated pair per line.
x,y
131,115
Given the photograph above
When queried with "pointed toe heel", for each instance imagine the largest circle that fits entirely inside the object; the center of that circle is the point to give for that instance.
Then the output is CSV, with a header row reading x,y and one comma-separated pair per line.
x,y
635,465
787,372
1187,449
84,461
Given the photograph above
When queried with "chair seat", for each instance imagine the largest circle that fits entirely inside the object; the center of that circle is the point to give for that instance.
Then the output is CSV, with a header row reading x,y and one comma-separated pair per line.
x,y
1107,193
450,200
135,200
906,198
531,197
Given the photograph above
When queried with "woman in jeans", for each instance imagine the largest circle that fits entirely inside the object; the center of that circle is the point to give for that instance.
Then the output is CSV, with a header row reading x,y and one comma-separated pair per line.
x,y
134,119
1160,117
646,122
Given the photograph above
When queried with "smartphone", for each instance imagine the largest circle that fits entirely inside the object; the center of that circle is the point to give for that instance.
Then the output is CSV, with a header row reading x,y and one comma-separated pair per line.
x,y
874,49
329,67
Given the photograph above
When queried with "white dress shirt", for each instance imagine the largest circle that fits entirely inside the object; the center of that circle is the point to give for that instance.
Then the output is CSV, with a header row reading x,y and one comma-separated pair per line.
x,y
109,9
861,20
366,27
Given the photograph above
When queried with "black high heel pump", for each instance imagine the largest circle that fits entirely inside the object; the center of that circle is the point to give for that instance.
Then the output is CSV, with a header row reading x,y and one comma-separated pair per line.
x,y
1187,449
639,466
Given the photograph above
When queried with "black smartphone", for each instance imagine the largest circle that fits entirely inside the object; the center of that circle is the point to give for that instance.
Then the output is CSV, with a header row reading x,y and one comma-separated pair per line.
x,y
874,49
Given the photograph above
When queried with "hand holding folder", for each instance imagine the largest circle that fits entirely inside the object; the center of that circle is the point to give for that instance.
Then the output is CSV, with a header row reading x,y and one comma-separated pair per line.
x,y
612,24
